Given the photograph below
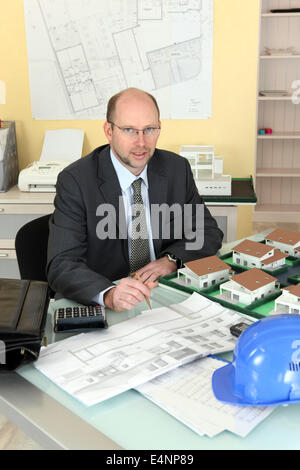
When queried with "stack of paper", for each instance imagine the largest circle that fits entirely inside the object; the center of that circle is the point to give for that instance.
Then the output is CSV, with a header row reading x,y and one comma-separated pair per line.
x,y
186,393
98,365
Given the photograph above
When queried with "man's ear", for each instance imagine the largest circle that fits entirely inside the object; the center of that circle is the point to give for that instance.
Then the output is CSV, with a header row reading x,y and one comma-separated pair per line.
x,y
107,131
159,124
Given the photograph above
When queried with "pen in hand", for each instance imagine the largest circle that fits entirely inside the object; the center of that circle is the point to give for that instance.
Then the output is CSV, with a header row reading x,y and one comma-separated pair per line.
x,y
146,297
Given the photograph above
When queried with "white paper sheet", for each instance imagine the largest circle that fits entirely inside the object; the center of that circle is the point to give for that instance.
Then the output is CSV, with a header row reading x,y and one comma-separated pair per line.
x,y
62,144
2,92
98,365
186,393
81,52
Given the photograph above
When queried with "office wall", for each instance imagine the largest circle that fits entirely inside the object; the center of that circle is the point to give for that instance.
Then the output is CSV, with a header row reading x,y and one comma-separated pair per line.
x,y
231,129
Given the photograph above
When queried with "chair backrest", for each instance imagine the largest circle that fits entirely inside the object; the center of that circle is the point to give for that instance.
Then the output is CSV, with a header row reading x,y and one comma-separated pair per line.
x,y
31,245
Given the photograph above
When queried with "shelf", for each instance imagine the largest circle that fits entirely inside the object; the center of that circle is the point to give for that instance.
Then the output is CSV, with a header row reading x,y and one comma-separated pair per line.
x,y
278,208
278,172
285,213
275,98
270,57
279,15
277,182
280,135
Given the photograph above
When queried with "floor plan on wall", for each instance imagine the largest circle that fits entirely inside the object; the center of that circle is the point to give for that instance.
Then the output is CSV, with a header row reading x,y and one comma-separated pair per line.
x,y
81,52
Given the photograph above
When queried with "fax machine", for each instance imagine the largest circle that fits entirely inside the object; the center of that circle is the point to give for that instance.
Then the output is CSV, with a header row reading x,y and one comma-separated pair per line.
x,y
41,176
60,149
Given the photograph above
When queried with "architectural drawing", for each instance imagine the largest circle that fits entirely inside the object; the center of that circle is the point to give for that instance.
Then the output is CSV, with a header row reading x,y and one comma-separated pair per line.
x,y
175,64
98,365
81,52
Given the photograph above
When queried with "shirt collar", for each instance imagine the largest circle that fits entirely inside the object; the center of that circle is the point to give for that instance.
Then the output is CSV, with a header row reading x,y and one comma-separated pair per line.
x,y
126,178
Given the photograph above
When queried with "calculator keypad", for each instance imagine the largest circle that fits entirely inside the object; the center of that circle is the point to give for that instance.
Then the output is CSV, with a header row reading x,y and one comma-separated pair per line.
x,y
76,312
80,317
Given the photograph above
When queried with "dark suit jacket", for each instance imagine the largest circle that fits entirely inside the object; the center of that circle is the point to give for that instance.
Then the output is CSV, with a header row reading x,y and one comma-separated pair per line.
x,y
80,265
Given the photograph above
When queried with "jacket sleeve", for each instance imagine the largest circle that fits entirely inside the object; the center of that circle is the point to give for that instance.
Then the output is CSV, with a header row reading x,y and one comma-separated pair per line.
x,y
201,234
67,269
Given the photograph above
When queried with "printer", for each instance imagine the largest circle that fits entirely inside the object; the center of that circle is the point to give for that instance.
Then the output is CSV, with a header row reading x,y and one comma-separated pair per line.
x,y
60,149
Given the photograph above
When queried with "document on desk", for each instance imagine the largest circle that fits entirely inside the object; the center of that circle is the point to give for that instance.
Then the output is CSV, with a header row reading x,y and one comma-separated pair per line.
x,y
186,393
98,365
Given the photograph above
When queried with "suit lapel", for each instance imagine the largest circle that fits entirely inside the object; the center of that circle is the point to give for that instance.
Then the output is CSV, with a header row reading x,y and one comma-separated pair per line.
x,y
110,189
158,190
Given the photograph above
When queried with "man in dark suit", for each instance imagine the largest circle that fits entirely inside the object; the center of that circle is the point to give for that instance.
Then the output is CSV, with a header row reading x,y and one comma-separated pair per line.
x,y
92,240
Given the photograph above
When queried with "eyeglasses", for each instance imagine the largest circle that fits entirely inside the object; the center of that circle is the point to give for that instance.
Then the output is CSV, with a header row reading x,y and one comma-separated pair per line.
x,y
131,132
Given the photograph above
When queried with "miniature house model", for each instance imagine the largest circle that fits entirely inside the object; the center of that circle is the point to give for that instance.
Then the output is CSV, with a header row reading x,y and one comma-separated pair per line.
x,y
289,301
205,272
250,254
207,170
286,241
249,286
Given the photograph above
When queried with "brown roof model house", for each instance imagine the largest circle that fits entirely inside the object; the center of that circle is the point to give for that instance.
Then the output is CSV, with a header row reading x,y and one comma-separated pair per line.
x,y
289,301
286,241
250,254
204,272
249,286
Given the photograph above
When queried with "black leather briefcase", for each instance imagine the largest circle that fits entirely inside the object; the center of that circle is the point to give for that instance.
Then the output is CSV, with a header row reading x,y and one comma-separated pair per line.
x,y
23,312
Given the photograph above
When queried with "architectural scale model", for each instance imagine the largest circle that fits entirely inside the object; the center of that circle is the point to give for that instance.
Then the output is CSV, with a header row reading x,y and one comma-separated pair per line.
x,y
286,241
207,170
250,254
204,272
289,300
249,286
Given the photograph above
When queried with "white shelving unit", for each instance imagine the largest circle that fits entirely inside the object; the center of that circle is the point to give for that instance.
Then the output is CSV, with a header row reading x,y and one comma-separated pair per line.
x,y
277,169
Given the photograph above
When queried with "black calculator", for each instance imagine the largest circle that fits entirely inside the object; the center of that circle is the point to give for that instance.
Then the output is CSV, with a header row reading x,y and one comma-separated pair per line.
x,y
79,318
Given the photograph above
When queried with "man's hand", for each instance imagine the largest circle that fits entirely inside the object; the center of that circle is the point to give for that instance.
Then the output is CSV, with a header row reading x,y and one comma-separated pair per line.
x,y
128,293
160,267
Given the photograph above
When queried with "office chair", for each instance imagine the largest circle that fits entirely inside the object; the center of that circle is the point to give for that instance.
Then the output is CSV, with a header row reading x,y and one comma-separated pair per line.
x,y
31,248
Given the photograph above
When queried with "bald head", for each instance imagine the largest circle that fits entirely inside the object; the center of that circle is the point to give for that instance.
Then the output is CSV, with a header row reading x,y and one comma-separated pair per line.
x,y
126,96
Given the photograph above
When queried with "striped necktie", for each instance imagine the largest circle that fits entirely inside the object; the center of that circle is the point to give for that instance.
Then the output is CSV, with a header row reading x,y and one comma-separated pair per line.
x,y
140,252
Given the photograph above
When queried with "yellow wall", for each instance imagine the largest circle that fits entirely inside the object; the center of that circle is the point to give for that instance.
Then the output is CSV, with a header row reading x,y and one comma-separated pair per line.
x,y
232,128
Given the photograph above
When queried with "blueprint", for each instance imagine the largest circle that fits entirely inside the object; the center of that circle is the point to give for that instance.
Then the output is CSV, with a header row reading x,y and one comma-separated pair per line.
x,y
81,52
98,365
187,394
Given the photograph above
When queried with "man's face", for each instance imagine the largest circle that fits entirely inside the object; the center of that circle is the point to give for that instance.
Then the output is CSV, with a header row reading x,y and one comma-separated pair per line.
x,y
133,110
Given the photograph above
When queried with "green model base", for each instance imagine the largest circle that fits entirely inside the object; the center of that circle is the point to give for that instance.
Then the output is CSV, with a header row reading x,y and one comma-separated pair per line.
x,y
258,309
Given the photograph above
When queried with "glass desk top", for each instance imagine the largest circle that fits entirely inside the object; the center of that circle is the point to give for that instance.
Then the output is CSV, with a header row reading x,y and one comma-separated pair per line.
x,y
134,422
